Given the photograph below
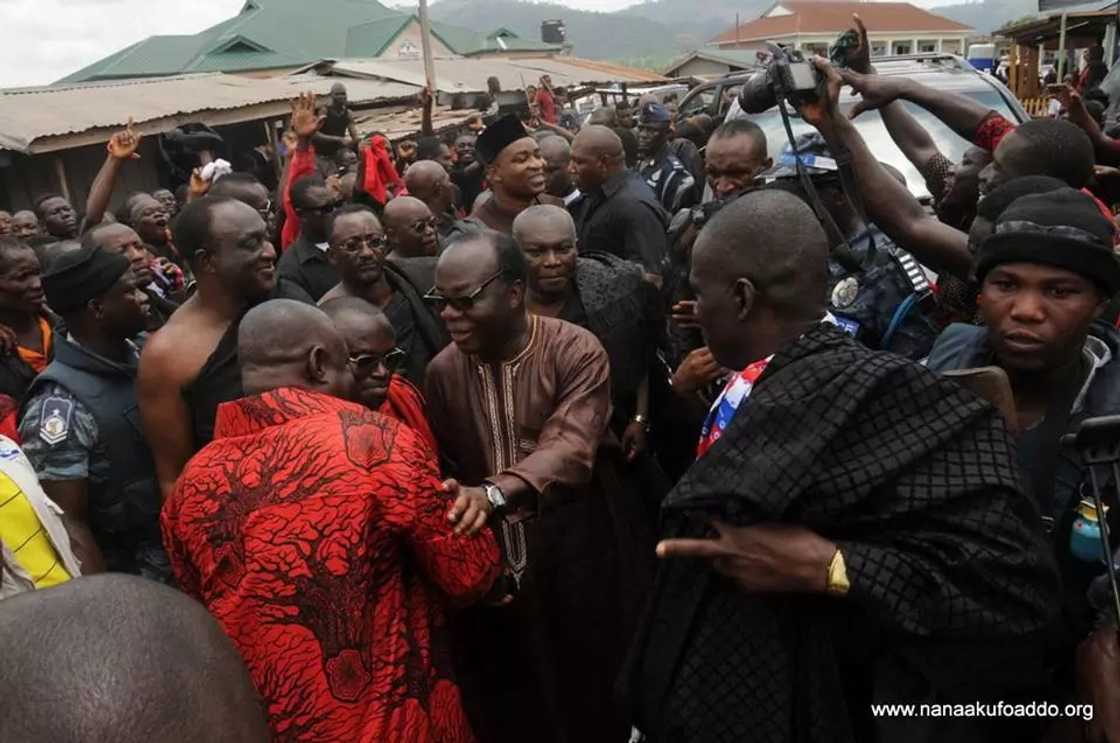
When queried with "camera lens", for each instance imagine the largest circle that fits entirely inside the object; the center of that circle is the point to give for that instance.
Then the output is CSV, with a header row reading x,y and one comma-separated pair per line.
x,y
757,94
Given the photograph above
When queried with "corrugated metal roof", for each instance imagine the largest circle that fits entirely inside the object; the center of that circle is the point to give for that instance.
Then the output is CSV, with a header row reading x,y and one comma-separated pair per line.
x,y
470,75
30,114
732,57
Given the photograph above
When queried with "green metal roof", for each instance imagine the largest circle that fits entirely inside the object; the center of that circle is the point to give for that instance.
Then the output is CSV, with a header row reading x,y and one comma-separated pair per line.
x,y
269,34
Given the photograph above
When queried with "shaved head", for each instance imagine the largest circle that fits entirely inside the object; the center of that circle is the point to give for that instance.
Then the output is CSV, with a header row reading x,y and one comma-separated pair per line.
x,y
120,658
597,154
600,141
543,219
759,268
424,178
405,210
285,343
355,312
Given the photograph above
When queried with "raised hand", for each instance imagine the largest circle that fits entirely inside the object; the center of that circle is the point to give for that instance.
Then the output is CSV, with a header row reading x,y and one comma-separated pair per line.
x,y
199,185
821,111
859,59
875,91
305,118
123,144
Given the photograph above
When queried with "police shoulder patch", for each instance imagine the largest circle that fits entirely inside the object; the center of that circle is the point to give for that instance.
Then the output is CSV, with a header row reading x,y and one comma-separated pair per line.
x,y
56,416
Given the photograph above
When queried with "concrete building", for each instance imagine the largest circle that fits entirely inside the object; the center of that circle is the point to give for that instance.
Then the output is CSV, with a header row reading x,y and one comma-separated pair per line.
x,y
811,25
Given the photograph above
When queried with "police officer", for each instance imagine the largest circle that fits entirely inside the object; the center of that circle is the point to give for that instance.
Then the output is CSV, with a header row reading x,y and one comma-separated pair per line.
x,y
673,183
80,425
877,291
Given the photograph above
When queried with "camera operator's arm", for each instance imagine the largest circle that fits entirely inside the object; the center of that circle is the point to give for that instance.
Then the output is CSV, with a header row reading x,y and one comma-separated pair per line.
x,y
910,136
889,204
960,113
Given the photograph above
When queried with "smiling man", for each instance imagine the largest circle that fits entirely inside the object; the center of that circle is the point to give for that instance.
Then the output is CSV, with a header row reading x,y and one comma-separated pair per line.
x,y
515,172
357,248
520,404
190,365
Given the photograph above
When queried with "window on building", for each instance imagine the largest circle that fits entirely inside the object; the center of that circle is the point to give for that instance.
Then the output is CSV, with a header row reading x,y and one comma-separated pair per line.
x,y
878,48
951,47
927,45
901,47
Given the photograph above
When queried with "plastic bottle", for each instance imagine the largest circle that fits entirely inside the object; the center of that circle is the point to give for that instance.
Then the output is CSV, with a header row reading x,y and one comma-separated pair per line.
x,y
1085,534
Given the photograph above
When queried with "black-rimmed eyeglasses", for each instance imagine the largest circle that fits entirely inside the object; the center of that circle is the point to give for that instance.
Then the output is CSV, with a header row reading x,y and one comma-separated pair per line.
x,y
365,364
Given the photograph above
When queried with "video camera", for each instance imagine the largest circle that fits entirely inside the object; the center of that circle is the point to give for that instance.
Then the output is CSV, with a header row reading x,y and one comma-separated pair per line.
x,y
788,76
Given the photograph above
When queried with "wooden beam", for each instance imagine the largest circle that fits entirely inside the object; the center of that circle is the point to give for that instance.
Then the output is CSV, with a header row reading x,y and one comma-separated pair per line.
x,y
60,172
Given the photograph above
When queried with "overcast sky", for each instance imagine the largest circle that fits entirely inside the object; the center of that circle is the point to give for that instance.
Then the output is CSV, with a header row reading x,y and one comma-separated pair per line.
x,y
48,39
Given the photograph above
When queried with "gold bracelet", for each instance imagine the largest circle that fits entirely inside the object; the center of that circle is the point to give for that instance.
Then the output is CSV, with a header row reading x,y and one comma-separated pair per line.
x,y
838,584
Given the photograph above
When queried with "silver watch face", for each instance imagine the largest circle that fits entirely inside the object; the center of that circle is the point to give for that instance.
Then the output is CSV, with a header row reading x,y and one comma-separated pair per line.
x,y
495,495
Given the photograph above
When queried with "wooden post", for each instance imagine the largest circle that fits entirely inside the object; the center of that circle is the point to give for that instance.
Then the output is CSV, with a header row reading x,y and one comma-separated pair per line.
x,y
60,172
1062,50
426,45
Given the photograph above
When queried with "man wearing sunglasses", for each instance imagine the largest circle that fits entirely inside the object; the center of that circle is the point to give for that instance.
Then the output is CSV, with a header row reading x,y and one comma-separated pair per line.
x,y
410,228
357,251
375,359
304,263
519,405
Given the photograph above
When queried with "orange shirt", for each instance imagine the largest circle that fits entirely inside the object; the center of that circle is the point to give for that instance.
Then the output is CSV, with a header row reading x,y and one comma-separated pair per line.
x,y
36,360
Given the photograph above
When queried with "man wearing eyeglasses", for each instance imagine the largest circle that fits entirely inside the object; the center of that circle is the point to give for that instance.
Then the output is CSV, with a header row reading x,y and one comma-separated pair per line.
x,y
519,405
410,228
305,262
357,247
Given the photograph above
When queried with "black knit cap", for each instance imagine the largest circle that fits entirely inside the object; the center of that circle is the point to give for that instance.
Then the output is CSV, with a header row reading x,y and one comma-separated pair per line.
x,y
496,137
80,275
1063,228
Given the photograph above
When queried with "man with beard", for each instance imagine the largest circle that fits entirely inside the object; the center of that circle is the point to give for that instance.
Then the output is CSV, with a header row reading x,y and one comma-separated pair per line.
x,y
618,213
190,366
78,426
467,173
410,229
374,359
521,405
515,172
57,216
852,532
557,154
23,311
357,252
669,178
328,552
428,181
304,262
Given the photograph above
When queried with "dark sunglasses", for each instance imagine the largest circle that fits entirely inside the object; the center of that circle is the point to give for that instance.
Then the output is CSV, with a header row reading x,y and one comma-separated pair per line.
x,y
462,304
365,364
323,211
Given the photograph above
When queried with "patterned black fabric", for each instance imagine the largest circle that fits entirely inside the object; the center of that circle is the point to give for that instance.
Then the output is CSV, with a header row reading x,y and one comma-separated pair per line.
x,y
915,478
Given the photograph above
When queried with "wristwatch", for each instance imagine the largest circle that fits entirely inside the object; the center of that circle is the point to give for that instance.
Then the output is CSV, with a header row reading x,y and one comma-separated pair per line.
x,y
642,420
494,495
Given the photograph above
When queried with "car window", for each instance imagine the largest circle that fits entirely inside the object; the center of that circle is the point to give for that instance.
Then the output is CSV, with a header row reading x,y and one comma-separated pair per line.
x,y
699,103
870,126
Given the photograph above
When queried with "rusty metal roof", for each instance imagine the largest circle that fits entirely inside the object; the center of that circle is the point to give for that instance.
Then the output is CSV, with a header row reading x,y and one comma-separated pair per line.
x,y
50,118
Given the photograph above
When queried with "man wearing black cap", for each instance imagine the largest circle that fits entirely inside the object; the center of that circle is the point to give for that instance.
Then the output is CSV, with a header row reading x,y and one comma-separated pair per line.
x,y
674,185
1045,275
80,428
515,172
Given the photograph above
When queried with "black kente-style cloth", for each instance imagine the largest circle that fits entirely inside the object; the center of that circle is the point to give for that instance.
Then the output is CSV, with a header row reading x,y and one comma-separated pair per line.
x,y
952,583
622,312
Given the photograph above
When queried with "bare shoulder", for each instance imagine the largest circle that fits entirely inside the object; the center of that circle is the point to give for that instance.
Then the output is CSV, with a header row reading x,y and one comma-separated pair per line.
x,y
179,349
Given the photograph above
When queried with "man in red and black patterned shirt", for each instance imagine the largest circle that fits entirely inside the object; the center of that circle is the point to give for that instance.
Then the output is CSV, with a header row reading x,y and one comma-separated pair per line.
x,y
315,532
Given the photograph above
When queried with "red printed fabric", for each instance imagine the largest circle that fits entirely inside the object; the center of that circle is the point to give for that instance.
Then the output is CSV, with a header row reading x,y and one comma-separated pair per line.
x,y
406,403
992,130
303,163
9,418
313,530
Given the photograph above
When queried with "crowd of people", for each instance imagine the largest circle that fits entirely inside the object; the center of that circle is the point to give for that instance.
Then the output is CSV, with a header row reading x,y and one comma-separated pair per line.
x,y
648,429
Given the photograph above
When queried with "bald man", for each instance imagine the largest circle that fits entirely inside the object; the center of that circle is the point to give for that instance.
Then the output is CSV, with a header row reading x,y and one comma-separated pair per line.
x,y
328,552
903,531
618,212
25,225
428,181
410,228
338,129
557,154
116,636
375,359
